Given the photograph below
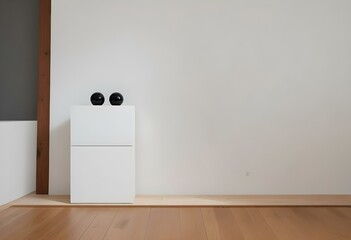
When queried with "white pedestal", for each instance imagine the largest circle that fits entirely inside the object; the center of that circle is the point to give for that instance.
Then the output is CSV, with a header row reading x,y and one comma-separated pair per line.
x,y
102,154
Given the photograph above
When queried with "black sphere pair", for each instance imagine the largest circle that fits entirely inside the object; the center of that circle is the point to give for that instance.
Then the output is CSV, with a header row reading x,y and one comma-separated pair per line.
x,y
99,99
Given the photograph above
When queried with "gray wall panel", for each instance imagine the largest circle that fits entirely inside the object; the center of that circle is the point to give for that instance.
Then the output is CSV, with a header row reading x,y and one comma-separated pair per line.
x,y
18,59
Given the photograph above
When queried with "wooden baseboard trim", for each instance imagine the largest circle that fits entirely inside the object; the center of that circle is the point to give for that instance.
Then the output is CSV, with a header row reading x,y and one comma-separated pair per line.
x,y
202,201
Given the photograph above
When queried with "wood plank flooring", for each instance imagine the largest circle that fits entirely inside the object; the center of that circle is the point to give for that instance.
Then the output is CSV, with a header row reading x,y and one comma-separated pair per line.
x,y
176,223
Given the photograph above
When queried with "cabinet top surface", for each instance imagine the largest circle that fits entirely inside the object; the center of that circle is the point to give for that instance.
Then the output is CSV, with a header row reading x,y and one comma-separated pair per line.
x,y
102,106
91,108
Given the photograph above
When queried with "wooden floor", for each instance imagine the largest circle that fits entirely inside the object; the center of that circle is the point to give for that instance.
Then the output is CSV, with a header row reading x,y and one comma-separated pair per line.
x,y
163,223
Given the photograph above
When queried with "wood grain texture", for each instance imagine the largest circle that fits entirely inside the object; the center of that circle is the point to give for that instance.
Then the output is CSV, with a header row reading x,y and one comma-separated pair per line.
x,y
163,224
191,224
43,228
43,107
29,223
129,223
227,224
286,225
210,223
315,225
10,214
49,227
252,224
331,222
8,230
72,225
345,213
99,227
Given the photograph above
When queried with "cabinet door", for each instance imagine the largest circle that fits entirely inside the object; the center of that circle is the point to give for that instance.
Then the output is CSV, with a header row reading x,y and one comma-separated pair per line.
x,y
102,125
102,174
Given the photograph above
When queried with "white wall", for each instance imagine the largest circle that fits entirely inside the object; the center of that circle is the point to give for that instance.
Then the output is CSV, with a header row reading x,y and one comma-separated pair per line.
x,y
18,141
232,97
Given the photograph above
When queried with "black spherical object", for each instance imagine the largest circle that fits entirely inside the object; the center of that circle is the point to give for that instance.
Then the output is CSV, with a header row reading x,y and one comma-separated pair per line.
x,y
116,99
97,98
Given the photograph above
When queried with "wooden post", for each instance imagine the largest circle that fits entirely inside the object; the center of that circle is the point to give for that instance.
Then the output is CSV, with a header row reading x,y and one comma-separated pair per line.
x,y
43,110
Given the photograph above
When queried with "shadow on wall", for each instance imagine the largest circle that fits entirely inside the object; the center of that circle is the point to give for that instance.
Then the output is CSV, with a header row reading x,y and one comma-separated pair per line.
x,y
60,158
17,159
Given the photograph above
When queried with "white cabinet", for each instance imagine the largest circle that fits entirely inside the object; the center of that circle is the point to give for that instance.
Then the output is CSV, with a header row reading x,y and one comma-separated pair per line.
x,y
102,125
102,174
102,154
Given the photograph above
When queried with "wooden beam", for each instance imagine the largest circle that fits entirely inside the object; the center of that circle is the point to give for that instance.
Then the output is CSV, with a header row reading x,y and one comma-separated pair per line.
x,y
43,114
